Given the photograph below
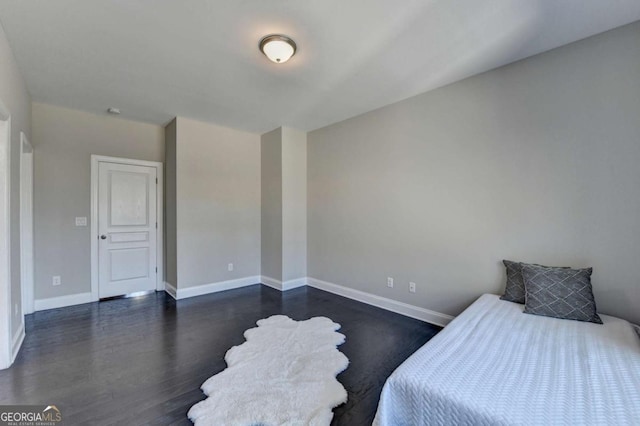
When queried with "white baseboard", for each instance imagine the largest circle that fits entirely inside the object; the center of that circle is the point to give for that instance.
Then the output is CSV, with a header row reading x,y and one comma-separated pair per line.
x,y
171,290
199,290
298,282
271,282
283,286
17,342
62,301
405,309
183,293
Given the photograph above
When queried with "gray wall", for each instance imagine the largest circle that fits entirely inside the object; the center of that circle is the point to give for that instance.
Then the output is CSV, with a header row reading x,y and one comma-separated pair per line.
x,y
271,208
14,95
294,204
64,141
218,203
170,181
536,161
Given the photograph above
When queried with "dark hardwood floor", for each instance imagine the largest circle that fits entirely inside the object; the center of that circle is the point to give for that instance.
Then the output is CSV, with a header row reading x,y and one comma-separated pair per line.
x,y
142,360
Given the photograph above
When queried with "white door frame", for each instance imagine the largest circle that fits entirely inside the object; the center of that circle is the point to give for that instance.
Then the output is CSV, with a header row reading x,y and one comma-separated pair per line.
x,y
6,341
95,160
26,224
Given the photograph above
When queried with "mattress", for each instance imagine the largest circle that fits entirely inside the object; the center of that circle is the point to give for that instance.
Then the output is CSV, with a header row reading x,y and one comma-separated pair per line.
x,y
494,365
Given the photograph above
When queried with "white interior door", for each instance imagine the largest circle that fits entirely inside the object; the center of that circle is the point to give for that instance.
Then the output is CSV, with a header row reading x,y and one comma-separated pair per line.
x,y
126,229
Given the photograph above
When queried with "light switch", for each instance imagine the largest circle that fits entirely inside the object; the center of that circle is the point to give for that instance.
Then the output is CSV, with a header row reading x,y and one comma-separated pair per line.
x,y
81,221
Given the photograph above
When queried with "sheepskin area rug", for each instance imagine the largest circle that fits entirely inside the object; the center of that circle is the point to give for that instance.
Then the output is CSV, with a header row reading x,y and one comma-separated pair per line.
x,y
284,374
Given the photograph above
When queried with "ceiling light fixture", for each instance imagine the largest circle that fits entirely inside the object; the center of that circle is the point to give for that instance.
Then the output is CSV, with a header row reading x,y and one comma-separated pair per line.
x,y
278,48
114,111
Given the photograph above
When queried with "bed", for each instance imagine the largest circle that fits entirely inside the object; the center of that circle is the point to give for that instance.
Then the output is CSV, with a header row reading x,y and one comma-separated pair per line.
x,y
494,365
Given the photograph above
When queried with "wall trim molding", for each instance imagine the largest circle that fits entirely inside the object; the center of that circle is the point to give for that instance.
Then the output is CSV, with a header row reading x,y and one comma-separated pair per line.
x,y
283,285
62,301
171,290
26,224
401,308
6,307
199,290
17,342
291,284
271,282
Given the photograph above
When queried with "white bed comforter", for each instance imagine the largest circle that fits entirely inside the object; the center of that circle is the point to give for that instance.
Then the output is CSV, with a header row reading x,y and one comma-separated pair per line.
x,y
495,365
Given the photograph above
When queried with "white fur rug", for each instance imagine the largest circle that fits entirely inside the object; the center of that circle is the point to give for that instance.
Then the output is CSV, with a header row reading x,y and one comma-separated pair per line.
x,y
284,374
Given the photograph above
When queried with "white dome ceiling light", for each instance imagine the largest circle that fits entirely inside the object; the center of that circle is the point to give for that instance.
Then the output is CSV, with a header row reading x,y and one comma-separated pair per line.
x,y
278,48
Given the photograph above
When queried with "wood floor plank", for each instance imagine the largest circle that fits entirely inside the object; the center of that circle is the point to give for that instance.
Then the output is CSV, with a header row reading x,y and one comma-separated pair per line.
x,y
142,360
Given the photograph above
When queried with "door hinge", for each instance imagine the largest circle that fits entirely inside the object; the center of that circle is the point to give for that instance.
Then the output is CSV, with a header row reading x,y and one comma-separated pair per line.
x,y
156,181
156,225
156,269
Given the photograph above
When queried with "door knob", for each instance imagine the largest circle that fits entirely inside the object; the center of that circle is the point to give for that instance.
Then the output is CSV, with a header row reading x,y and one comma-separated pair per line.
x,y
103,237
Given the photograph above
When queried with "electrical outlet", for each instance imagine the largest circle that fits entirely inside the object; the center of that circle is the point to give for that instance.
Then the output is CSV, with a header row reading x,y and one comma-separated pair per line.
x,y
412,287
389,282
56,280
230,267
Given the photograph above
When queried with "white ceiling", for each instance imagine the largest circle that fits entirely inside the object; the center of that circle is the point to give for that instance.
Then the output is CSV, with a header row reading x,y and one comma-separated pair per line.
x,y
155,59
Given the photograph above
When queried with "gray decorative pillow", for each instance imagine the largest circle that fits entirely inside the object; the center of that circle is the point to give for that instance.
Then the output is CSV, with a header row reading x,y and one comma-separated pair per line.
x,y
514,291
560,293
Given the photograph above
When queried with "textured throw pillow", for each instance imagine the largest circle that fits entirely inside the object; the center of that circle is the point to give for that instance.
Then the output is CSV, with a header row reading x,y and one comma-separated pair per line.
x,y
560,293
514,291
